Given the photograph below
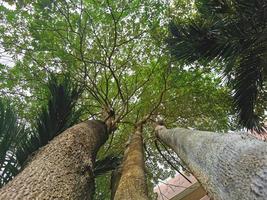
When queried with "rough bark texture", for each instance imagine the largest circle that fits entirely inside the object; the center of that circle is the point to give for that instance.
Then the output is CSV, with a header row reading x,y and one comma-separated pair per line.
x,y
63,168
229,166
132,183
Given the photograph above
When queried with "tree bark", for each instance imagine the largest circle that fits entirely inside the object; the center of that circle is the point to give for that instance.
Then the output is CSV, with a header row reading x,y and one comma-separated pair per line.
x,y
132,183
229,166
63,169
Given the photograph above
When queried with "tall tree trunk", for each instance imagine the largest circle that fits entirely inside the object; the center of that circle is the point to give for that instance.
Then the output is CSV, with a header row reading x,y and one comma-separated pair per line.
x,y
229,166
132,184
63,168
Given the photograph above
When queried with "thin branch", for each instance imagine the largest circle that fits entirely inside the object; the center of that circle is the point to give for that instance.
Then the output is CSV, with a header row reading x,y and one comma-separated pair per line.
x,y
173,166
166,149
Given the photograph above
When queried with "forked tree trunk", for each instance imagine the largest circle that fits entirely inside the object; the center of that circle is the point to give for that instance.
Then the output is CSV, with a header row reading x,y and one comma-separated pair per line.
x,y
63,168
229,166
132,183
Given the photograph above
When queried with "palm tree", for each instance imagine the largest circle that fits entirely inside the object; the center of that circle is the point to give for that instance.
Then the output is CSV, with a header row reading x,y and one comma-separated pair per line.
x,y
18,143
59,114
232,32
20,148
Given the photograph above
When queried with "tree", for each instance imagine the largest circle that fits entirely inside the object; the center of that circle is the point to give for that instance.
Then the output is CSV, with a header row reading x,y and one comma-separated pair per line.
x,y
229,166
18,148
19,140
231,32
114,51
59,113
63,168
130,182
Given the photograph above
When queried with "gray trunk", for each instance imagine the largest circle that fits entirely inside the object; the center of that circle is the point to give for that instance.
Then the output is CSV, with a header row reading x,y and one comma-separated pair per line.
x,y
132,183
229,166
63,168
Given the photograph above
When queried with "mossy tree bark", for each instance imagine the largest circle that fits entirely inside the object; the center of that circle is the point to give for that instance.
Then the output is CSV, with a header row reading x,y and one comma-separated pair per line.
x,y
229,166
131,182
63,169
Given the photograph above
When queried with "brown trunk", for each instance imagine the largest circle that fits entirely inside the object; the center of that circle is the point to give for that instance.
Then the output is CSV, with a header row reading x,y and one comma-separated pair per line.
x,y
63,168
115,178
229,166
132,184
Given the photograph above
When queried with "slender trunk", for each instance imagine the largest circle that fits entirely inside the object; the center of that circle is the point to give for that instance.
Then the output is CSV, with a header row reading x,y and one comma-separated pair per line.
x,y
63,168
132,184
115,178
229,166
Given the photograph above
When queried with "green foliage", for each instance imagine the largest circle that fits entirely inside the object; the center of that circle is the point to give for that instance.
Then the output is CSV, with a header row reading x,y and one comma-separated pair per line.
x,y
9,132
59,114
103,187
17,144
233,33
115,51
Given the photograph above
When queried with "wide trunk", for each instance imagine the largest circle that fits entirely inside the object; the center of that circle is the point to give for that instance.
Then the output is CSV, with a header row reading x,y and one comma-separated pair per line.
x,y
229,166
131,182
63,169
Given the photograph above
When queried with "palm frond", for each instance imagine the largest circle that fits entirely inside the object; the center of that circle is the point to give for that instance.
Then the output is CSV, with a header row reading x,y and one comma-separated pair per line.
x,y
203,40
215,7
9,130
106,164
59,114
247,84
233,32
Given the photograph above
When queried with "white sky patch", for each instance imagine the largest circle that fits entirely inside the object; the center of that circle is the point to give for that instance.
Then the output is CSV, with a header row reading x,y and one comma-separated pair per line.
x,y
130,72
6,59
8,6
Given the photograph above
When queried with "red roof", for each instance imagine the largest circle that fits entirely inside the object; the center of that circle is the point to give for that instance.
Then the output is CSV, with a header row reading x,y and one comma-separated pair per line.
x,y
168,189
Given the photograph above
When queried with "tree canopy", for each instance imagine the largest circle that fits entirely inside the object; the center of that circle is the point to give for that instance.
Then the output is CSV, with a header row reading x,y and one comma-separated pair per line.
x,y
116,57
233,33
